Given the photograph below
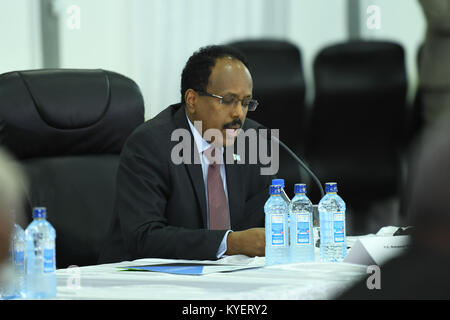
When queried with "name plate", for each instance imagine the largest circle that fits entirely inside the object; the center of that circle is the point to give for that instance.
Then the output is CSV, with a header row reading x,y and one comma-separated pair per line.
x,y
377,250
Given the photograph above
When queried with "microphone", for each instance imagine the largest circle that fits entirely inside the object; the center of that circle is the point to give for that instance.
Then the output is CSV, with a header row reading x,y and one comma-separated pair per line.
x,y
296,158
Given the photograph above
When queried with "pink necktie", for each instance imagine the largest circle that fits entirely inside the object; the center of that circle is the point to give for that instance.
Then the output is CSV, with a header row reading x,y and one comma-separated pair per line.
x,y
217,202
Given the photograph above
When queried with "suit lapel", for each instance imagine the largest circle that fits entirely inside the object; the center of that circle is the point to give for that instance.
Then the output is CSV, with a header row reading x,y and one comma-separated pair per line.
x,y
194,168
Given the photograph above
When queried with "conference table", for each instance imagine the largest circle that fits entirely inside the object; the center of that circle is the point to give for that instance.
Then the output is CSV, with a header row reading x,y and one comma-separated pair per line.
x,y
288,281
230,278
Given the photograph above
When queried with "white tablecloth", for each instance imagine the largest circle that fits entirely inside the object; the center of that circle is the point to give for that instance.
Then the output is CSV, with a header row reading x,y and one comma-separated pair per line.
x,y
290,281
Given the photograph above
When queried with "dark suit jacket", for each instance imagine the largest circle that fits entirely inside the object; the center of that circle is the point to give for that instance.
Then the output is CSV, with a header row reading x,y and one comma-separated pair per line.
x,y
160,207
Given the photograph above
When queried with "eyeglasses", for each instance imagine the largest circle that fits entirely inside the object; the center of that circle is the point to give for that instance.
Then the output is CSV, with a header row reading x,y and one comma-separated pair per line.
x,y
232,100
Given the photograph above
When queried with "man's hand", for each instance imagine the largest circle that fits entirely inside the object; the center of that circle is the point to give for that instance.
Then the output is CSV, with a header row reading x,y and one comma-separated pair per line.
x,y
250,242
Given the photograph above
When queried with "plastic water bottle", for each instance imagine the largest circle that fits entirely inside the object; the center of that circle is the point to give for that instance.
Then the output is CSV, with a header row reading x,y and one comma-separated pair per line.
x,y
280,182
333,244
18,247
40,257
301,226
276,214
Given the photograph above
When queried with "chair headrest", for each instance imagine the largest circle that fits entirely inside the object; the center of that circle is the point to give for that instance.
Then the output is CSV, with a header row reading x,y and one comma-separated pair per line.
x,y
53,112
360,66
273,63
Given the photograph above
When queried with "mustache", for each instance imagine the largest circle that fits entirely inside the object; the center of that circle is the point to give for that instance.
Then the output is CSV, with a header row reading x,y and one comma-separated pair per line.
x,y
232,124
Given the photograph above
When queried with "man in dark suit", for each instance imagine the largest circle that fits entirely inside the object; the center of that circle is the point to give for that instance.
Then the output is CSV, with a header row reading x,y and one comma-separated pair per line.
x,y
187,210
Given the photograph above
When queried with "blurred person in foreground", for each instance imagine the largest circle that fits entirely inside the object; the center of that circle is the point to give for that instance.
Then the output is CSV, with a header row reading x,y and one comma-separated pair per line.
x,y
423,271
12,194
434,64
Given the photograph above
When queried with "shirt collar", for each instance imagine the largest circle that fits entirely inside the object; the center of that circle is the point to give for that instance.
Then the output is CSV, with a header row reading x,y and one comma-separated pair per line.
x,y
201,143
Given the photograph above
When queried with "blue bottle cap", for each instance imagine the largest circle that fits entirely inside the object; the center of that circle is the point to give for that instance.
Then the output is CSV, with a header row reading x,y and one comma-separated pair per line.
x,y
275,189
300,188
279,182
40,212
331,187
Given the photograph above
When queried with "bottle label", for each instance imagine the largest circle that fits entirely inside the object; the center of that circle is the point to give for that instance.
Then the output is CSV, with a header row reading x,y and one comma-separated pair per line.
x,y
339,227
277,224
303,228
19,260
49,260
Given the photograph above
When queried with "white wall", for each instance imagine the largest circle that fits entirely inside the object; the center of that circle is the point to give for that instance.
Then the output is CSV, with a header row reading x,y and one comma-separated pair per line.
x,y
150,40
312,25
401,21
103,39
19,35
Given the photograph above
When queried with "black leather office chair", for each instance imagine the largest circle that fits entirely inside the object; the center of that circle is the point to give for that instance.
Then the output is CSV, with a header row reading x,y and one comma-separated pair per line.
x,y
67,128
279,86
358,118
